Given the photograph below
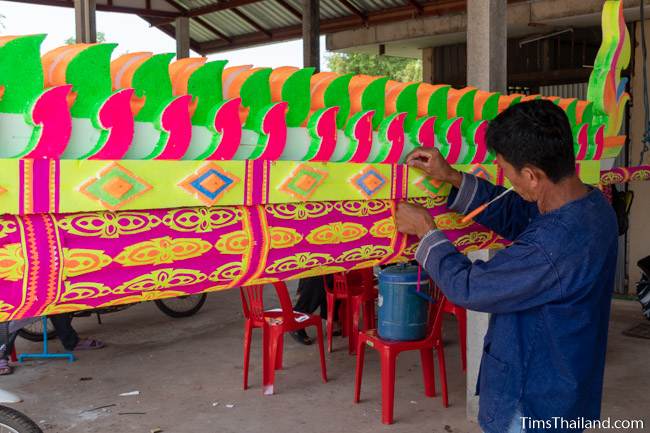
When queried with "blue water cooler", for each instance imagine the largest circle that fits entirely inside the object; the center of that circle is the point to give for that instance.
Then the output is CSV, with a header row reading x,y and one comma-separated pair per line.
x,y
402,314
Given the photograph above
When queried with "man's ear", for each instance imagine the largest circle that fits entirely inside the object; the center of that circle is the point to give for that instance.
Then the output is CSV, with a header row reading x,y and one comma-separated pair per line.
x,y
528,173
534,175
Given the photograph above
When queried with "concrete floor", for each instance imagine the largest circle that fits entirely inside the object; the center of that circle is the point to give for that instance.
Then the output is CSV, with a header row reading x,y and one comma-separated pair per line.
x,y
189,372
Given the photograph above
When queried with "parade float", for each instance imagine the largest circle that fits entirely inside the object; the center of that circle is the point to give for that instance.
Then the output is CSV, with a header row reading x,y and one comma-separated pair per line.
x,y
140,178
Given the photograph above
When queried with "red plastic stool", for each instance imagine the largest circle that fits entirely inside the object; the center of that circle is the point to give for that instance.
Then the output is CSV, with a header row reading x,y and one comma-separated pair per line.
x,y
461,318
363,302
389,350
274,324
13,356
356,293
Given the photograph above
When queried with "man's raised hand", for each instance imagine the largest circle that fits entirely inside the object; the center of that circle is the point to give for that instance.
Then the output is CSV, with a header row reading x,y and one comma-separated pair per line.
x,y
432,163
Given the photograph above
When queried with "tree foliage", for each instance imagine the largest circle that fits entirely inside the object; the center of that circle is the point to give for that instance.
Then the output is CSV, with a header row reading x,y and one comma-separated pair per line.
x,y
396,68
101,37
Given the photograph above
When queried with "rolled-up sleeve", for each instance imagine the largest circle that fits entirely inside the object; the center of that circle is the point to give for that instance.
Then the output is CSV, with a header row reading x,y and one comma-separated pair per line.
x,y
462,198
429,241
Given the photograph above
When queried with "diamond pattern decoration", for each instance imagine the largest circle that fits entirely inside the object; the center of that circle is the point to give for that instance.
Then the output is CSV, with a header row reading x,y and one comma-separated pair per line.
x,y
114,186
479,171
369,181
303,182
428,185
117,187
209,183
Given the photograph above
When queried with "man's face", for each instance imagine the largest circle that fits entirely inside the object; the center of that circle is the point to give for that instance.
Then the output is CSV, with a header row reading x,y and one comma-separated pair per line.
x,y
525,181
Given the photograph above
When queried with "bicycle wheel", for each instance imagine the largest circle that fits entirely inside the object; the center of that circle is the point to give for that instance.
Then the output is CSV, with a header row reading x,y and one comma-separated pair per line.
x,y
183,306
12,421
34,331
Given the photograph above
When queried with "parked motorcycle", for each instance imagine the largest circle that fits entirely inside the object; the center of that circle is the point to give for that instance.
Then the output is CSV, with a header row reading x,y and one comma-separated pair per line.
x,y
643,286
13,421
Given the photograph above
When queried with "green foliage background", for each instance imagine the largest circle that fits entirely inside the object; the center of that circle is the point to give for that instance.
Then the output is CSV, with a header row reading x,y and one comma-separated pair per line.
x,y
396,68
101,37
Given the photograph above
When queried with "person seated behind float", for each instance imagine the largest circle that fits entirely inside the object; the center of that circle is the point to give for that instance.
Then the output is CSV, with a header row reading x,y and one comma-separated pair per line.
x,y
311,297
64,331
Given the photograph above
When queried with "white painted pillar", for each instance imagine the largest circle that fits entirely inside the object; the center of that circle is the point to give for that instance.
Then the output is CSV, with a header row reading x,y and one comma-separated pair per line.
x,y
487,42
477,325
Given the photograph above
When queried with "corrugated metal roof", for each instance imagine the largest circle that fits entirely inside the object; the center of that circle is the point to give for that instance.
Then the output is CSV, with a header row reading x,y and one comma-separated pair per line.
x,y
229,23
270,14
377,5
195,4
277,15
332,9
240,23
199,33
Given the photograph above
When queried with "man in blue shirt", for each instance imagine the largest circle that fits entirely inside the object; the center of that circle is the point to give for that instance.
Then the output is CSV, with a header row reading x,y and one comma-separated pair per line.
x,y
549,293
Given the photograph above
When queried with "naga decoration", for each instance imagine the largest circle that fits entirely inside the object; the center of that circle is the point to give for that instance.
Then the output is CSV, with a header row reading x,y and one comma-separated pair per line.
x,y
141,178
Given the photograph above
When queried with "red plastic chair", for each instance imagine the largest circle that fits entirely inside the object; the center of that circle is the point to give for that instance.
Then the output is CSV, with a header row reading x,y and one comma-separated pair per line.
x,y
389,350
274,324
355,291
461,318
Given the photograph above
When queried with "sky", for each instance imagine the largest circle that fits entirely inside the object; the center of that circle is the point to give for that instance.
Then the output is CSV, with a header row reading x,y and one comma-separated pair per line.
x,y
134,34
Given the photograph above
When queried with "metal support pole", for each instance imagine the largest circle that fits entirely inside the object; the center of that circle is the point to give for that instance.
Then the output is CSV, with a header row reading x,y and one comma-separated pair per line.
x,y
182,37
45,354
311,33
85,21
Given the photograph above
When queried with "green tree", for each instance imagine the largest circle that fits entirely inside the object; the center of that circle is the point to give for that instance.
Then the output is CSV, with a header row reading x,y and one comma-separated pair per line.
x,y
101,37
396,68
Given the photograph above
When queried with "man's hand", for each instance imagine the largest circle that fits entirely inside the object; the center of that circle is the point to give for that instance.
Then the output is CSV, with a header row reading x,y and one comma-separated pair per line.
x,y
413,220
431,162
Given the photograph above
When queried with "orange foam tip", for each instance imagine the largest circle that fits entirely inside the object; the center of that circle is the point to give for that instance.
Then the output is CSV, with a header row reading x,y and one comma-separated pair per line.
x,y
470,216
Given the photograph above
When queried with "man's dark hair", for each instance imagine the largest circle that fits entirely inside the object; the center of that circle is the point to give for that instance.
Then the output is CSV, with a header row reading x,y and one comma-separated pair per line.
x,y
535,133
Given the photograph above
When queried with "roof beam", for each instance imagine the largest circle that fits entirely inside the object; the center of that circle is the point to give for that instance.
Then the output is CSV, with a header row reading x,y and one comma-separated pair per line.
x,y
293,11
106,8
213,29
221,6
200,21
417,6
331,25
169,30
251,21
352,8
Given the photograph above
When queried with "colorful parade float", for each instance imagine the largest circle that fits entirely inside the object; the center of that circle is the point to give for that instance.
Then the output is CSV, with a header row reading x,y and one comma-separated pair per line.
x,y
139,178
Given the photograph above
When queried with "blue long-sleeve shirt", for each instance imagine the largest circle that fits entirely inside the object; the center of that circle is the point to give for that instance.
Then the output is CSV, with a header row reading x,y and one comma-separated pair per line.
x,y
549,294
